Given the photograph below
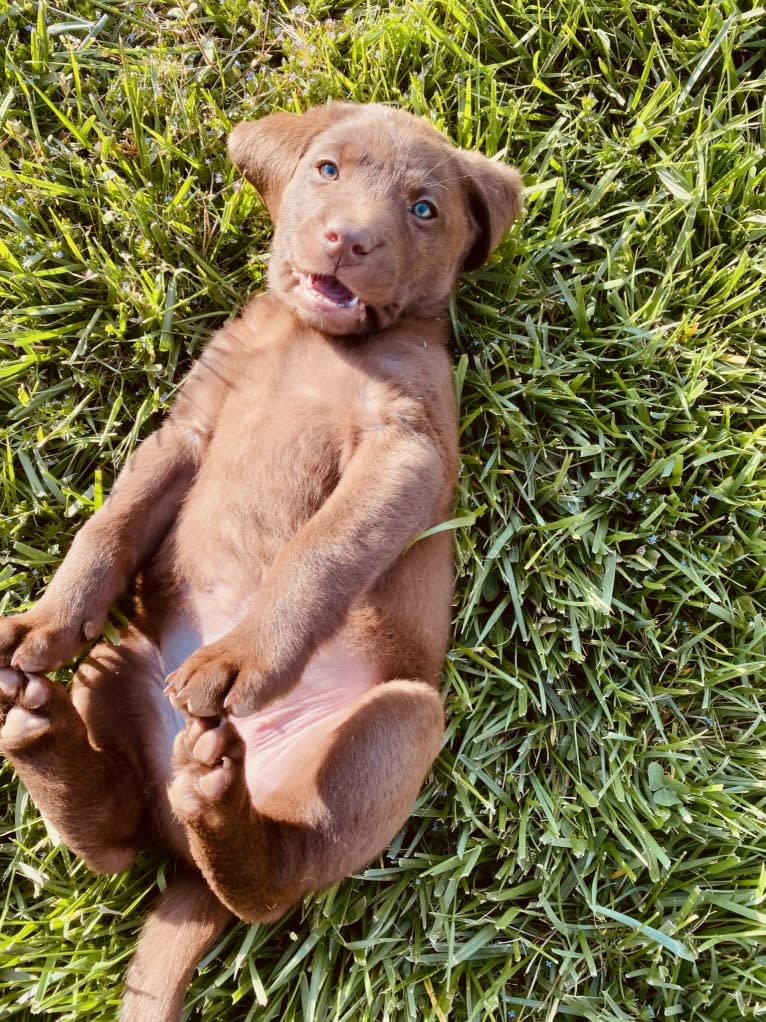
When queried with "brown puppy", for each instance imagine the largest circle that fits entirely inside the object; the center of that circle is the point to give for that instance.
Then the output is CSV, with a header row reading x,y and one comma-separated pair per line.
x,y
268,531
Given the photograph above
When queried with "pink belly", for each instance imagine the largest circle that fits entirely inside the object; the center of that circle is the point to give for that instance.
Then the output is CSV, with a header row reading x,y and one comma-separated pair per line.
x,y
285,743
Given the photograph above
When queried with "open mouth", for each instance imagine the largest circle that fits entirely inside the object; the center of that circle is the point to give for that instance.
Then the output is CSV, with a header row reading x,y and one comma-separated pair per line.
x,y
331,290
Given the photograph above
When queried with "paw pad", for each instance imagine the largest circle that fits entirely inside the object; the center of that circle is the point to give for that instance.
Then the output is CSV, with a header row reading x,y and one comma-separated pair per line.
x,y
207,755
21,699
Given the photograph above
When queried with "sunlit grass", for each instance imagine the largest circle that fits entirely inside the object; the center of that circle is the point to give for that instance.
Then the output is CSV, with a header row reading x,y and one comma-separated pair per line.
x,y
592,844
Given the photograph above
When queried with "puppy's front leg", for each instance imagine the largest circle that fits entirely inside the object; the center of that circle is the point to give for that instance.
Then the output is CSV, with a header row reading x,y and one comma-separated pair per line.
x,y
123,534
387,495
103,558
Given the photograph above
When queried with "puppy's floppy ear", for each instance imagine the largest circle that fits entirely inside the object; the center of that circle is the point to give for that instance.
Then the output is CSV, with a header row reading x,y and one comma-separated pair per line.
x,y
494,194
267,151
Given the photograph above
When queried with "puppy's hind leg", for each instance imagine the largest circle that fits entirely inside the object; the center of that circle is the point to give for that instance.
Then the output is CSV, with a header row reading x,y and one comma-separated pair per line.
x,y
352,789
82,791
79,756
244,855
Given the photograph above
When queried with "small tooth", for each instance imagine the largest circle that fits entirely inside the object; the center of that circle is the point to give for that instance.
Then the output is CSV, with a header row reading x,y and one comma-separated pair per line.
x,y
354,301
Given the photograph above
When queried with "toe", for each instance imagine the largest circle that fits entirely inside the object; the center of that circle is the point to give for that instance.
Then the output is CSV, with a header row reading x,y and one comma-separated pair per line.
x,y
10,683
214,783
20,725
209,747
183,794
35,693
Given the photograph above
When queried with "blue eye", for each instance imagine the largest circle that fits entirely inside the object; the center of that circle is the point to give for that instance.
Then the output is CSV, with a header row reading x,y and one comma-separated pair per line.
x,y
423,210
328,170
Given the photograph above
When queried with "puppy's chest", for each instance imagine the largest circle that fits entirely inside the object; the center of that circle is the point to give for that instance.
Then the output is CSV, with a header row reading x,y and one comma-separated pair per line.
x,y
282,443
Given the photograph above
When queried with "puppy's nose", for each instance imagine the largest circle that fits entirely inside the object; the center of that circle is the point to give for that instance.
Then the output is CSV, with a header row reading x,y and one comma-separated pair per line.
x,y
346,241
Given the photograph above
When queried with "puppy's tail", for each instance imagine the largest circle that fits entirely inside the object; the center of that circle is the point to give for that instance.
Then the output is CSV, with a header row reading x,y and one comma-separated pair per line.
x,y
183,924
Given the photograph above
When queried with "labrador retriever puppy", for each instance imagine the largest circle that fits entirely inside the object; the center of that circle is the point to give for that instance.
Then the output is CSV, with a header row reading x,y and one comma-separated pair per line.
x,y
270,713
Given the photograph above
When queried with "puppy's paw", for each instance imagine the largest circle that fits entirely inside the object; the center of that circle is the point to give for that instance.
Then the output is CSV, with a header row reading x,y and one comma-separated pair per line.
x,y
208,756
216,679
34,642
27,704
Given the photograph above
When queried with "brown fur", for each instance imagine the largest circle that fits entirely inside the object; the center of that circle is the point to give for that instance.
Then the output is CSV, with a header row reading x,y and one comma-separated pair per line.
x,y
266,530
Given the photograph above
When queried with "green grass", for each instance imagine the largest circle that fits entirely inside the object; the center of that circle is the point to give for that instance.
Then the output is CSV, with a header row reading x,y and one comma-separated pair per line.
x,y
592,843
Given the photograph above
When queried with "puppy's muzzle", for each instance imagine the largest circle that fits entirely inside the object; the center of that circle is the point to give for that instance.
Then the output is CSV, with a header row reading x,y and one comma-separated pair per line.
x,y
346,243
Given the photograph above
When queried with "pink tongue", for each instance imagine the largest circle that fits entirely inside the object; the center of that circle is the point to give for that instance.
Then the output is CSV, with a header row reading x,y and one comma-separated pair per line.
x,y
331,288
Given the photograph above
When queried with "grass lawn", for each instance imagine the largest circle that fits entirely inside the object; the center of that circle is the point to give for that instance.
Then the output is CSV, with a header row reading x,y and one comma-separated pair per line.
x,y
592,842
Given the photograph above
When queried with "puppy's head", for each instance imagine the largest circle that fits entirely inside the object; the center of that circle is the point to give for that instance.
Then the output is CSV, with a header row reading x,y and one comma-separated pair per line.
x,y
375,212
